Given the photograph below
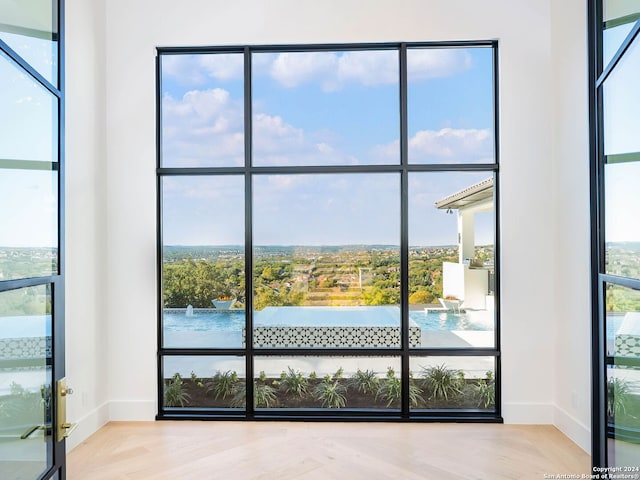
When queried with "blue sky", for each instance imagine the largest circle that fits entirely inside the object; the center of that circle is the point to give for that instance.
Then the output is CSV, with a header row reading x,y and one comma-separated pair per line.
x,y
28,198
309,108
324,108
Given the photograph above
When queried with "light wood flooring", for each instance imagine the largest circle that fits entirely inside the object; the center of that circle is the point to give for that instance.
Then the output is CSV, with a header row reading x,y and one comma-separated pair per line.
x,y
346,451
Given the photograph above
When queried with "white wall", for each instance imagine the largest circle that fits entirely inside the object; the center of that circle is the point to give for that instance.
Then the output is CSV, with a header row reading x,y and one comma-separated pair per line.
x,y
570,144
127,299
86,293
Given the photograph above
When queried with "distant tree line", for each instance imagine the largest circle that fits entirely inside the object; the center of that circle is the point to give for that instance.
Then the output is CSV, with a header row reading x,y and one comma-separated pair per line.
x,y
289,280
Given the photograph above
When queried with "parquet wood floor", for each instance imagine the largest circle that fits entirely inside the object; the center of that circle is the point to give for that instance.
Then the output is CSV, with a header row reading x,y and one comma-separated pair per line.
x,y
350,451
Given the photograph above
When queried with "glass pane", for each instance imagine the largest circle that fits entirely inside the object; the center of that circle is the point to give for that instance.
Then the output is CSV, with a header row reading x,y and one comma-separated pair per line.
x,y
453,383
203,261
622,203
327,260
28,119
29,219
621,102
612,38
623,416
202,110
623,321
617,11
451,259
327,382
25,383
31,29
619,17
196,382
451,102
326,108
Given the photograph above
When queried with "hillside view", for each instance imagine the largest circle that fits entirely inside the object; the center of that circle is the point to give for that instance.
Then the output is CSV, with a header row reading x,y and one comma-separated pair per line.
x,y
303,275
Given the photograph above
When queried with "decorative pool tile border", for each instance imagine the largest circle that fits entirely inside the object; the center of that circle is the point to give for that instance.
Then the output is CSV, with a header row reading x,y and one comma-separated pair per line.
x,y
332,337
25,347
627,346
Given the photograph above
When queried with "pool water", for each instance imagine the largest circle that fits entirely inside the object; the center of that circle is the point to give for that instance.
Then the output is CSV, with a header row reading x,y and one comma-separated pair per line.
x,y
233,321
447,321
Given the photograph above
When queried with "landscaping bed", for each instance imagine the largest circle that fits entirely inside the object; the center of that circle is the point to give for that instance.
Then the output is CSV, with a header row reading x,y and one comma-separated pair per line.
x,y
436,387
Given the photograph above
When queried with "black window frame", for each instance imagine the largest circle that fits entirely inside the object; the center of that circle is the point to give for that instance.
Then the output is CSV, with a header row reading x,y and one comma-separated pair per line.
x,y
598,73
404,168
55,281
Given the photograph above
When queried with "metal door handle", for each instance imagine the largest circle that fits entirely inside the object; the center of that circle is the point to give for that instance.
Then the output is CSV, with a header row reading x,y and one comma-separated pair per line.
x,y
35,428
64,428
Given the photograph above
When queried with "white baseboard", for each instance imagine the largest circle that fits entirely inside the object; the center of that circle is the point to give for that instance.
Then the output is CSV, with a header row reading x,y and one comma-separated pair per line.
x,y
578,432
528,413
132,411
87,425
118,411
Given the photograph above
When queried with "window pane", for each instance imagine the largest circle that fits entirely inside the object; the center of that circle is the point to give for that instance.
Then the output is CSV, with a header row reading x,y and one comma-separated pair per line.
x,y
28,119
203,261
612,39
446,383
623,415
202,110
621,102
197,382
451,258
623,321
618,11
619,17
327,260
623,379
450,105
326,108
29,219
327,382
31,29
25,382
622,203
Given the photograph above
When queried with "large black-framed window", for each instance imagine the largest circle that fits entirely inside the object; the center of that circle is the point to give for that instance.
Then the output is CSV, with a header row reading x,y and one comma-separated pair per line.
x,y
615,151
327,231
32,266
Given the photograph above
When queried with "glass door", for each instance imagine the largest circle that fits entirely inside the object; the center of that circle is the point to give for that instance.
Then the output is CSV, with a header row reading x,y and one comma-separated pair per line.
x,y
616,236
31,242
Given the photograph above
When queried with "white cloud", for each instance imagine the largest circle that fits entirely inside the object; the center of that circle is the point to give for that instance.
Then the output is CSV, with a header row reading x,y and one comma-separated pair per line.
x,y
196,70
203,128
276,142
331,70
334,70
293,69
223,66
369,67
450,143
447,145
425,63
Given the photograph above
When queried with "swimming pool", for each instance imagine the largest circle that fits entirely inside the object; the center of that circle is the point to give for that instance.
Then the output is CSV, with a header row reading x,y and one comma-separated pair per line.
x,y
234,321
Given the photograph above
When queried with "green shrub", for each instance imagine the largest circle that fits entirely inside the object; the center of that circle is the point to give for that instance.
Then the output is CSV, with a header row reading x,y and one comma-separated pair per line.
x,y
222,384
443,383
264,396
390,389
174,393
484,392
364,381
617,397
331,393
293,382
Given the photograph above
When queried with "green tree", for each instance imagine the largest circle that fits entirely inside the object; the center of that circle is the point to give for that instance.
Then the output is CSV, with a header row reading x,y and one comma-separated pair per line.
x,y
421,296
269,297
